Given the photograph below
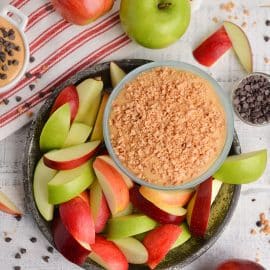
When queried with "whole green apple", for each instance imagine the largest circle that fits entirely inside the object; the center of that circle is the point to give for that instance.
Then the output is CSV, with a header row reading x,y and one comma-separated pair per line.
x,y
155,23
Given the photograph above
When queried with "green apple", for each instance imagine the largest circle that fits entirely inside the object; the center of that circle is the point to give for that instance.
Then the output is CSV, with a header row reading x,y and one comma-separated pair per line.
x,y
155,23
89,92
42,176
243,169
127,211
134,250
184,236
55,131
125,226
117,74
78,134
68,184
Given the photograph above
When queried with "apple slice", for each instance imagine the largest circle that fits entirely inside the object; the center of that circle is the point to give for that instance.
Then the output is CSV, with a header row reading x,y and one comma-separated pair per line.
x,y
55,131
216,186
240,45
67,95
184,236
109,160
99,207
97,133
7,206
243,169
78,134
134,250
77,218
108,255
172,198
71,157
127,211
112,184
237,264
126,226
213,48
68,184
42,176
89,92
159,241
66,244
199,207
153,211
117,74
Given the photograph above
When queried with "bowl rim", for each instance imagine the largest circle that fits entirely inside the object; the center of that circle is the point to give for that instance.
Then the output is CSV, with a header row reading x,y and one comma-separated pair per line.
x,y
225,101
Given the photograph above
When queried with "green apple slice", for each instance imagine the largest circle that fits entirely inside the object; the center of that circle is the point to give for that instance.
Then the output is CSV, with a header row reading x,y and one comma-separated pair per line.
x,y
55,131
243,169
126,226
42,176
89,92
184,236
70,183
134,250
240,44
117,74
78,134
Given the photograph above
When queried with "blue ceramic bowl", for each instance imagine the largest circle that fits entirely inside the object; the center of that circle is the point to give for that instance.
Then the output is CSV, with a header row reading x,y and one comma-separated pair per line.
x,y
225,101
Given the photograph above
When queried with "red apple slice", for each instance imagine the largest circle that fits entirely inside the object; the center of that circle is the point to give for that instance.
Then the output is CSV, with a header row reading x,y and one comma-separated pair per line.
x,y
99,207
7,206
151,210
67,95
213,48
112,184
71,157
199,209
240,45
108,255
66,244
77,218
236,264
159,241
109,160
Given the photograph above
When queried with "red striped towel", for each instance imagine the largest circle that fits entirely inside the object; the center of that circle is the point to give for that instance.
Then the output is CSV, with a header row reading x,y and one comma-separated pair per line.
x,y
60,50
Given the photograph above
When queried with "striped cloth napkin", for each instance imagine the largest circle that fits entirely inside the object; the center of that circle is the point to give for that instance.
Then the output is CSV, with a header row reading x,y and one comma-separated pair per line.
x,y
60,50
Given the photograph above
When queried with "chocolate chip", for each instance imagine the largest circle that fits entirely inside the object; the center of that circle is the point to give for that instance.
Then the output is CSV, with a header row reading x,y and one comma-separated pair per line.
x,y
18,217
10,53
3,76
17,48
18,98
32,87
33,239
50,249
28,75
23,250
32,59
3,57
17,268
259,223
8,239
41,94
253,200
17,256
267,22
38,75
45,258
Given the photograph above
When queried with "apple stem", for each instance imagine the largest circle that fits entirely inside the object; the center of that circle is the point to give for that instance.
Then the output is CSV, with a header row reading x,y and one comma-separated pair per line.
x,y
164,5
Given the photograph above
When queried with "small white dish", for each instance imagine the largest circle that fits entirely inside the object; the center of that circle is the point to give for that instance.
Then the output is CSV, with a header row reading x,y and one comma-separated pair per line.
x,y
19,21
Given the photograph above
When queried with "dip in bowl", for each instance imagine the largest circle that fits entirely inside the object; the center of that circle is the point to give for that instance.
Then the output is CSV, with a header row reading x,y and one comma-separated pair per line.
x,y
168,125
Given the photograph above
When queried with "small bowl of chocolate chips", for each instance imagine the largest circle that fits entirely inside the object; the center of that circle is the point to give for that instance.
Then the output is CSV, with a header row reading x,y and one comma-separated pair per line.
x,y
251,99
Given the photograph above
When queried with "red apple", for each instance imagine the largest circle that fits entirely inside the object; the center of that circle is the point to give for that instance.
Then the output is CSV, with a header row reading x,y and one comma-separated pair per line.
x,y
159,241
199,209
151,210
70,157
99,207
108,255
236,264
77,218
66,244
67,95
213,48
82,11
7,206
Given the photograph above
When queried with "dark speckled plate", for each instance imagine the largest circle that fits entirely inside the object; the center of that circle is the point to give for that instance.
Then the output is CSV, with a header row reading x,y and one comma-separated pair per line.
x,y
221,211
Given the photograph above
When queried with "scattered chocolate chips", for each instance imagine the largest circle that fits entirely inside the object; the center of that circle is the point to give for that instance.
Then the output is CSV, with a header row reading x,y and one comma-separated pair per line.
x,y
32,87
18,217
33,239
252,99
259,223
32,59
22,250
45,258
8,239
28,75
17,268
253,200
50,249
6,101
17,256
266,38
18,98
267,22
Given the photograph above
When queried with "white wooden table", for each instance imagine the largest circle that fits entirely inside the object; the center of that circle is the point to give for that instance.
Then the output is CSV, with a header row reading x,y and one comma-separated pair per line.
x,y
236,241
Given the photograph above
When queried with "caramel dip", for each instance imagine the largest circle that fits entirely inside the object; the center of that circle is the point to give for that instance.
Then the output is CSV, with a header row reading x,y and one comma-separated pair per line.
x,y
12,52
167,126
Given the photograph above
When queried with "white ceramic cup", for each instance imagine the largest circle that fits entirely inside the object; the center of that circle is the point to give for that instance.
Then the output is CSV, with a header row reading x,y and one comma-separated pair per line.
x,y
19,21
